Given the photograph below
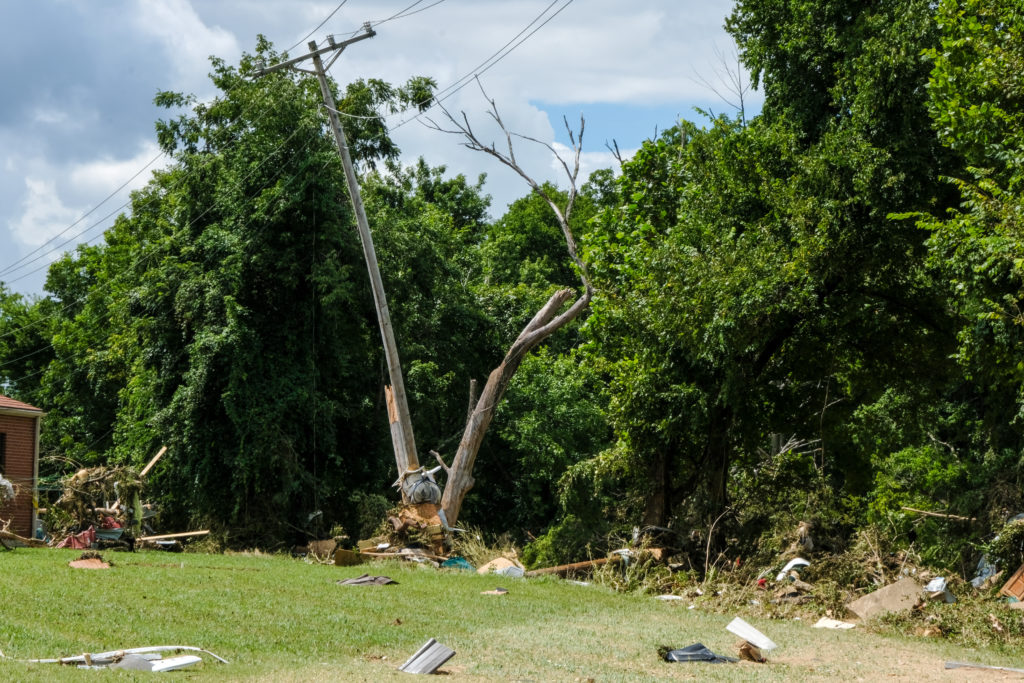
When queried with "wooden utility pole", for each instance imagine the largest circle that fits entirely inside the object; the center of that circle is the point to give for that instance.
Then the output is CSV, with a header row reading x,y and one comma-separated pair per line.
x,y
398,407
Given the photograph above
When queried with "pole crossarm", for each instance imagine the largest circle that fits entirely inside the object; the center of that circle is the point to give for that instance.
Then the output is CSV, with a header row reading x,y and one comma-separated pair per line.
x,y
331,47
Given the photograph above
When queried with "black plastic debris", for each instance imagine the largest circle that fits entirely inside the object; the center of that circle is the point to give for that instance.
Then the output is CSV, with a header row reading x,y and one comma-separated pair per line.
x,y
693,653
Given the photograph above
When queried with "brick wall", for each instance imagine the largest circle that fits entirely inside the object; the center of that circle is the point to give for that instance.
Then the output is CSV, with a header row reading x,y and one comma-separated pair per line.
x,y
21,444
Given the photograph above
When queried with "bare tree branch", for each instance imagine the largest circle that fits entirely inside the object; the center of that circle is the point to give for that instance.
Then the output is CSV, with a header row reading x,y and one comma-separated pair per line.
x,y
732,86
545,322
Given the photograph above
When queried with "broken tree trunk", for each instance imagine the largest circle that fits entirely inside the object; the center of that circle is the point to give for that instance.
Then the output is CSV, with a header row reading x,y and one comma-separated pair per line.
x,y
545,323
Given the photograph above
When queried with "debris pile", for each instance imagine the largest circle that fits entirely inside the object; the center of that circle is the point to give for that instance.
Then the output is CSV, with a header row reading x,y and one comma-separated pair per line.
x,y
101,508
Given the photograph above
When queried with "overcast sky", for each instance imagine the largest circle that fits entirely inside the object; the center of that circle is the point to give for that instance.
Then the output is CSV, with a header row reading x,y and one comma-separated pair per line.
x,y
76,111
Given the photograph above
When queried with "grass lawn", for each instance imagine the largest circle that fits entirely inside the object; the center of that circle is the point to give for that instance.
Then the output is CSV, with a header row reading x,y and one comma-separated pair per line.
x,y
278,618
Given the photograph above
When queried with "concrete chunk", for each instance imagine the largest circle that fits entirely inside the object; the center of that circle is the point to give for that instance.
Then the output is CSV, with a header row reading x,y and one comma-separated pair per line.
x,y
896,597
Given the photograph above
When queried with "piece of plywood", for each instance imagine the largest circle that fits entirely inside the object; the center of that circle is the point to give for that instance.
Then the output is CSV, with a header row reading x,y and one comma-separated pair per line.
x,y
1014,588
896,597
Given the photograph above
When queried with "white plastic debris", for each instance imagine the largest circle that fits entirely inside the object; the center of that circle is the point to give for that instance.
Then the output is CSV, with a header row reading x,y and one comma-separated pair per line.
x,y
796,563
825,622
750,634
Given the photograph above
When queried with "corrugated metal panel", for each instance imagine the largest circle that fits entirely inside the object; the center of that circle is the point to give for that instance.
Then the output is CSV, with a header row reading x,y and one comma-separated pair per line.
x,y
428,658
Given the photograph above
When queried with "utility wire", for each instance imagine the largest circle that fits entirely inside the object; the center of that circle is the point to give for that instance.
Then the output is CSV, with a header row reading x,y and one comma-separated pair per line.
x,y
21,262
318,26
82,217
144,257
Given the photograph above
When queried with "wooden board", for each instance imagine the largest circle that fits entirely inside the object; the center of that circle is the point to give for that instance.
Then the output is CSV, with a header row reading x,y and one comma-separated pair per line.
x,y
1014,588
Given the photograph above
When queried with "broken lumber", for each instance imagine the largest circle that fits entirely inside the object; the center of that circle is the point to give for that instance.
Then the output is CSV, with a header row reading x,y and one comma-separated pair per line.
x,y
163,537
567,569
942,515
149,466
30,542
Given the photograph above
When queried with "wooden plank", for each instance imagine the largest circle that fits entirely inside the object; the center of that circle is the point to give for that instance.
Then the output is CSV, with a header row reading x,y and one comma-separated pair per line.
x,y
148,467
1014,587
183,534
567,569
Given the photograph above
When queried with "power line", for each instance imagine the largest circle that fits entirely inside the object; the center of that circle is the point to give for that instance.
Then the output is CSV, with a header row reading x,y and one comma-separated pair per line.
x,y
144,257
402,14
20,263
484,66
318,26
464,80
82,217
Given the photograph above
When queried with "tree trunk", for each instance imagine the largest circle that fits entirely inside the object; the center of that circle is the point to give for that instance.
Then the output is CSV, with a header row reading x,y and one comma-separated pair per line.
x,y
656,511
544,323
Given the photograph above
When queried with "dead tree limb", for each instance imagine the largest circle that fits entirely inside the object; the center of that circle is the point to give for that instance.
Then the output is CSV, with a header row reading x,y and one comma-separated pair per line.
x,y
549,319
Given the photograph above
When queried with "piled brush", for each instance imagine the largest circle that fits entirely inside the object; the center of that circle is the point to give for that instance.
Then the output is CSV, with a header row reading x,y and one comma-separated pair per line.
x,y
86,495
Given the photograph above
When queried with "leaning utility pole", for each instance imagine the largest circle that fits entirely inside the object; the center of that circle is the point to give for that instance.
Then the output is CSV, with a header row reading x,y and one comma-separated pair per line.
x,y
398,407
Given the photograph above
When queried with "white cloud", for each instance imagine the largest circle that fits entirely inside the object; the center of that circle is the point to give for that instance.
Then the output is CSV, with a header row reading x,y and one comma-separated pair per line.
x,y
49,115
43,215
186,39
102,176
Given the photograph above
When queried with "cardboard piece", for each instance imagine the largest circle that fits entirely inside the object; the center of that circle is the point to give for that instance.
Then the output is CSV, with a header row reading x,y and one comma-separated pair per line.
x,y
901,596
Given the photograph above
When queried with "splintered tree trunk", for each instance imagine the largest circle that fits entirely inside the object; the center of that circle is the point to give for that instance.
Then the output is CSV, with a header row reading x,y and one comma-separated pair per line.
x,y
460,474
543,324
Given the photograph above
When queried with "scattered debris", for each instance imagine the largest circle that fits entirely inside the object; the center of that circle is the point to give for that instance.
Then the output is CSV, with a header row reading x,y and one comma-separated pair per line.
x,y
503,566
416,525
826,622
138,658
970,665
693,653
80,541
937,588
901,596
6,491
985,571
321,550
668,598
797,563
7,535
941,515
428,658
750,634
497,591
749,653
183,534
367,580
1014,588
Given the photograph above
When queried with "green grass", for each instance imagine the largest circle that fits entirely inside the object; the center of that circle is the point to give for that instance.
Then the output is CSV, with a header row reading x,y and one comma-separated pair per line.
x,y
277,618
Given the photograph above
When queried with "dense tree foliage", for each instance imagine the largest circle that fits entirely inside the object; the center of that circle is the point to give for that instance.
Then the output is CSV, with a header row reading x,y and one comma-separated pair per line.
x,y
813,314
